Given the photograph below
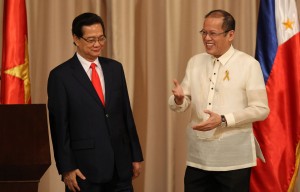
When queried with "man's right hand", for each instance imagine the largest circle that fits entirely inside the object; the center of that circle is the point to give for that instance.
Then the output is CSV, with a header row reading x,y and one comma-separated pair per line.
x,y
70,179
178,93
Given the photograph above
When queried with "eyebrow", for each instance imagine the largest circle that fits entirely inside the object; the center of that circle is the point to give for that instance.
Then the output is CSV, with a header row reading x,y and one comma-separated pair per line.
x,y
96,36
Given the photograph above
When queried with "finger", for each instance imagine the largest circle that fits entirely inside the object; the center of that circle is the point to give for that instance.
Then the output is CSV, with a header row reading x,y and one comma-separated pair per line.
x,y
208,111
203,126
70,179
71,188
75,184
136,170
72,184
203,129
175,82
135,174
68,183
199,129
199,126
79,174
174,91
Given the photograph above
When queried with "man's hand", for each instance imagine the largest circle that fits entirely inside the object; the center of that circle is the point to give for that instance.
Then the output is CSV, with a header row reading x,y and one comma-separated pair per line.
x,y
178,93
212,122
137,168
70,179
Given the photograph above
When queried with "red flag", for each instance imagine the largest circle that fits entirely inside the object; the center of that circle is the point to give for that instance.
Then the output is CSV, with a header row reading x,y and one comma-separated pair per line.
x,y
15,83
278,48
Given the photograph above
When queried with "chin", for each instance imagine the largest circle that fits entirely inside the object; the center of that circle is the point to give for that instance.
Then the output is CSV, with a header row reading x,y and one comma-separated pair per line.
x,y
210,52
97,54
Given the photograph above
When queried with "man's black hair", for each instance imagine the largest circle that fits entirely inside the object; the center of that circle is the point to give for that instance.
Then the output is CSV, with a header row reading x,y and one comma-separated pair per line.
x,y
85,19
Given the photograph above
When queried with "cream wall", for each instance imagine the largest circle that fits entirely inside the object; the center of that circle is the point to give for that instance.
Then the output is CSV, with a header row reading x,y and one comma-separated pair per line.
x,y
153,39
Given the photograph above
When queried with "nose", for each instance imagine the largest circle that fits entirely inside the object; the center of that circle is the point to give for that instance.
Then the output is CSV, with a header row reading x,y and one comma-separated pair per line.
x,y
207,37
98,43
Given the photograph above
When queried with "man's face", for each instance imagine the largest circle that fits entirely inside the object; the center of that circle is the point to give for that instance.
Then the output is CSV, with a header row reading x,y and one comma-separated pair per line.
x,y
215,41
90,45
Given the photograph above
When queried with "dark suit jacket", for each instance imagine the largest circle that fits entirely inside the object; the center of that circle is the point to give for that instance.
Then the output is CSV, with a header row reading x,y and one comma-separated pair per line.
x,y
85,134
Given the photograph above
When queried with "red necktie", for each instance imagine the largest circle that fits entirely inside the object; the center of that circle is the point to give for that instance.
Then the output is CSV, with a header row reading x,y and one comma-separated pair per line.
x,y
96,82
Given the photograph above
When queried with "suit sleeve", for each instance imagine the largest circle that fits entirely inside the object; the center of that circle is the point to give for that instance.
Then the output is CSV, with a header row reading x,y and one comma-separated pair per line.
x,y
132,132
59,124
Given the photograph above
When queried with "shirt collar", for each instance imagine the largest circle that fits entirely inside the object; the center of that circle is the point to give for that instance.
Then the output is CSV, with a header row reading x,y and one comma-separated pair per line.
x,y
85,63
226,56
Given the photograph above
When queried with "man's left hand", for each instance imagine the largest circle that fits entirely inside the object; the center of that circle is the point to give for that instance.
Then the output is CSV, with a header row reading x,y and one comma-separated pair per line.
x,y
137,169
212,122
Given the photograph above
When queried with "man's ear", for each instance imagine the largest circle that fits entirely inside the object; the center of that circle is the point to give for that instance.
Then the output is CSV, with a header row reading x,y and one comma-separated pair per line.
x,y
231,35
75,40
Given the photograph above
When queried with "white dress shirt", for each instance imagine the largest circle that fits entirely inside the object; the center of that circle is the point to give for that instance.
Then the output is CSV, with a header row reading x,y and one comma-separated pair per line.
x,y
87,67
231,85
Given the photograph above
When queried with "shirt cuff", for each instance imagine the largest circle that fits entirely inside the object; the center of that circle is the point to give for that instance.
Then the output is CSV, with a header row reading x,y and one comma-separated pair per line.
x,y
174,106
230,120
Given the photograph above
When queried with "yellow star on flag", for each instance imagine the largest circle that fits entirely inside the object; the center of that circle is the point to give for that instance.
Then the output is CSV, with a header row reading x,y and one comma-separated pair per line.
x,y
288,24
22,71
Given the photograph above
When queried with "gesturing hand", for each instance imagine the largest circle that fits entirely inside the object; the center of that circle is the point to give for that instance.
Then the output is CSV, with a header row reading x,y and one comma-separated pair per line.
x,y
212,122
178,93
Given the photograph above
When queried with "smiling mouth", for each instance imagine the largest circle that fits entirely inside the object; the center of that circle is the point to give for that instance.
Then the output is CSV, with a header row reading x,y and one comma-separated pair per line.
x,y
209,44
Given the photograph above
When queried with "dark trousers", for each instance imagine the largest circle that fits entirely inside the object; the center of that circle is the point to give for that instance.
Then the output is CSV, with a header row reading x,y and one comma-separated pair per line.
x,y
198,180
115,185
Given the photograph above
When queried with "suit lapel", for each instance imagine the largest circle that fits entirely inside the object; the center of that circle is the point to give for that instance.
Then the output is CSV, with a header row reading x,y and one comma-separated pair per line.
x,y
81,76
107,73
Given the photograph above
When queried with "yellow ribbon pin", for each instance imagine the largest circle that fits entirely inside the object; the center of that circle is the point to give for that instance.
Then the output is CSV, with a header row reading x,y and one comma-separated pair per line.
x,y
226,76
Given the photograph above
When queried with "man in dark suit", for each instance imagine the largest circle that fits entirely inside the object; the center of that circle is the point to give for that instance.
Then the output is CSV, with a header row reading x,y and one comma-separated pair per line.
x,y
96,146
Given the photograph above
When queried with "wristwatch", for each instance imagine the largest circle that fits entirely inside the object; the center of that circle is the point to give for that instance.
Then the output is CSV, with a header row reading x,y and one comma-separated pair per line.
x,y
223,121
